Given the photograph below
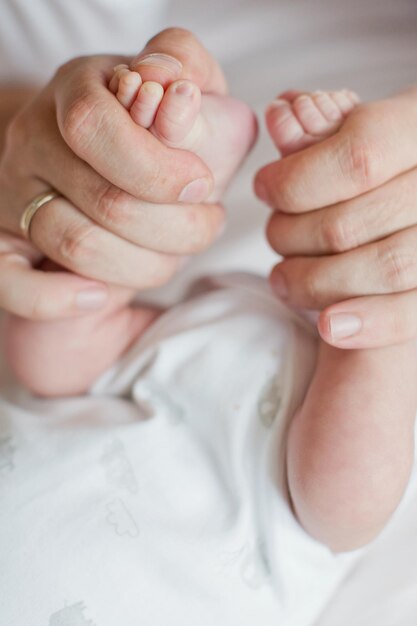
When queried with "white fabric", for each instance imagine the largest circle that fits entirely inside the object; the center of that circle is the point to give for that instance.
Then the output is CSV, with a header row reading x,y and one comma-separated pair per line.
x,y
170,509
265,46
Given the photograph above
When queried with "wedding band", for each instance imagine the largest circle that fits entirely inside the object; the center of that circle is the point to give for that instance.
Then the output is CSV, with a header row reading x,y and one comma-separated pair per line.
x,y
32,207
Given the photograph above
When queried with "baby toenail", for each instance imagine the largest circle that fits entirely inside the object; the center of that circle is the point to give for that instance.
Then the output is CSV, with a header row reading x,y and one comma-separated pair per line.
x,y
276,104
163,61
279,103
185,88
152,89
196,191
121,66
303,98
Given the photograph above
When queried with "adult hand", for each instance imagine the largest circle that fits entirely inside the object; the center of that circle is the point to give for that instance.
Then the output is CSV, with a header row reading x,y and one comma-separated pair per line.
x,y
345,220
131,207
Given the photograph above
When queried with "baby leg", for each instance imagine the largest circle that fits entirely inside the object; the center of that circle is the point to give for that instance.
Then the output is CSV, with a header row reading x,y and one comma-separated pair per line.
x,y
350,445
65,357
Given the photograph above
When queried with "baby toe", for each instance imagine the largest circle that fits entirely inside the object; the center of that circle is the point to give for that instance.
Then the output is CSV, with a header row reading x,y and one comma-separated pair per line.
x,y
327,106
145,106
128,87
290,95
114,81
310,116
177,113
345,100
284,127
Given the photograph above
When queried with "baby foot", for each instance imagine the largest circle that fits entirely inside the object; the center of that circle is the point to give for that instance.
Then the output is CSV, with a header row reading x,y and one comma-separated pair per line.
x,y
219,129
297,120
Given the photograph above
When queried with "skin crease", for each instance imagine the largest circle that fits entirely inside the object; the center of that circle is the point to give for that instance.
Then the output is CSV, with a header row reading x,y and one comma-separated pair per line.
x,y
40,296
365,218
294,185
95,232
349,449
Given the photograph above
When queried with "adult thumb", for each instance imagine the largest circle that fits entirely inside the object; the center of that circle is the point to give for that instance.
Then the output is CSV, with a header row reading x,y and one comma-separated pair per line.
x,y
175,53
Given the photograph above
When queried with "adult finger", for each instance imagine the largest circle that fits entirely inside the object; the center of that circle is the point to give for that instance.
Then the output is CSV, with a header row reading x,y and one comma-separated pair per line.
x,y
102,133
370,322
387,266
74,241
177,53
346,225
182,228
375,144
36,294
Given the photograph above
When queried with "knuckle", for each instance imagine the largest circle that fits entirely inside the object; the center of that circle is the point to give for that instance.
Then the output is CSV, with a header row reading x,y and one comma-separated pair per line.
x,y
398,265
360,162
337,232
113,207
77,246
201,228
283,184
70,66
80,122
311,287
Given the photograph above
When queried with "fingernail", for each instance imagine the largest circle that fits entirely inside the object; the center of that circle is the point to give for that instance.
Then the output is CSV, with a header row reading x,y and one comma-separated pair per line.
x,y
343,325
185,88
164,61
90,299
280,286
196,191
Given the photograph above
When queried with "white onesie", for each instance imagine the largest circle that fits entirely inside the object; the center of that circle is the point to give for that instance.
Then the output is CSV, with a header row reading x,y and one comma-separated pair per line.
x,y
159,500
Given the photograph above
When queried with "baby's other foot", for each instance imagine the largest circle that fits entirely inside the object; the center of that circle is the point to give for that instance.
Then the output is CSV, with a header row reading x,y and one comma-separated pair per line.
x,y
297,120
219,129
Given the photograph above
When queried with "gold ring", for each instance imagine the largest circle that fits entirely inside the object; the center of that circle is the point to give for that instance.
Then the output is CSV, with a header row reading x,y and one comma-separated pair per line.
x,y
32,207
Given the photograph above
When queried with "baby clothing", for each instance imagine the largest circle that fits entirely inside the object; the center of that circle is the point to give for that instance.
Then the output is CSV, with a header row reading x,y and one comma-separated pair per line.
x,y
160,499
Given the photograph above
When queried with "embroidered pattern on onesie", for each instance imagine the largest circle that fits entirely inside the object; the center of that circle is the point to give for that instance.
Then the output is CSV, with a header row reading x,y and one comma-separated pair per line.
x,y
120,476
120,519
7,452
119,471
270,401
